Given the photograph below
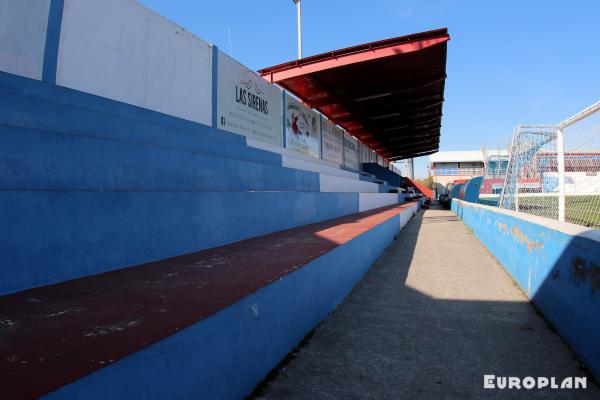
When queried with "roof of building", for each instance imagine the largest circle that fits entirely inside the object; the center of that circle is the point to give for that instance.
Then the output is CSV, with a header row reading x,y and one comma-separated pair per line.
x,y
388,94
463,156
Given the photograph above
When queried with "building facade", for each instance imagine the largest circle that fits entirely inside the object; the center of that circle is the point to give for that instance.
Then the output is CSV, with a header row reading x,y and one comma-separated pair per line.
x,y
448,167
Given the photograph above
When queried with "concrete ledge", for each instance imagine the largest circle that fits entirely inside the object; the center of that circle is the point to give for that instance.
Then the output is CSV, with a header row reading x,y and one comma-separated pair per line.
x,y
556,264
368,201
293,159
329,183
210,324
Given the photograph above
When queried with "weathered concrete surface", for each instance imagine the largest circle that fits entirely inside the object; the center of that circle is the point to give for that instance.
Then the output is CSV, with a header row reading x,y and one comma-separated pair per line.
x,y
432,316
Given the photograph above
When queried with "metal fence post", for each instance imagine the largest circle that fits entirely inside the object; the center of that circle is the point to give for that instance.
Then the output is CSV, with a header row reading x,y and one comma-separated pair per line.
x,y
561,173
321,137
283,120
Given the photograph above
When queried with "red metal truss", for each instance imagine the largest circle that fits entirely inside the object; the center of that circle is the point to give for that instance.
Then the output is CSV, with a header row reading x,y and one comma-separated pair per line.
x,y
389,93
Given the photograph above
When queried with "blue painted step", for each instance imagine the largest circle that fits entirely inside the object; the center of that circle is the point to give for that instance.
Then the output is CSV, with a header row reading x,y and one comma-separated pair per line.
x,y
383,173
41,160
20,86
30,112
388,189
52,236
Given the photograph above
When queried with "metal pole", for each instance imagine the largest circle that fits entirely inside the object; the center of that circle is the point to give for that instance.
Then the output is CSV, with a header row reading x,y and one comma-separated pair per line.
x,y
299,6
561,173
579,116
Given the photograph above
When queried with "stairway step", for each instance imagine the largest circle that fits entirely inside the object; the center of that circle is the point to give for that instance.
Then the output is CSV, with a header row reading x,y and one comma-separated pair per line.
x,y
18,86
39,160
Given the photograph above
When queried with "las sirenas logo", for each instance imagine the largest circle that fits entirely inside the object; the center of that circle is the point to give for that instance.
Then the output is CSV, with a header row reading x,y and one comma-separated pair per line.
x,y
248,94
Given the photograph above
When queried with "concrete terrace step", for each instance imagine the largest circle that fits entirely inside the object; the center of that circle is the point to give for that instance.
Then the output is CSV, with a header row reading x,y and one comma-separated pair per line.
x,y
68,234
42,160
18,86
44,115
339,184
92,324
383,173
372,179
293,159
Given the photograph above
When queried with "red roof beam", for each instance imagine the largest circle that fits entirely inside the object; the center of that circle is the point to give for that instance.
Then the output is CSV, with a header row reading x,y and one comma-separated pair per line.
x,y
347,57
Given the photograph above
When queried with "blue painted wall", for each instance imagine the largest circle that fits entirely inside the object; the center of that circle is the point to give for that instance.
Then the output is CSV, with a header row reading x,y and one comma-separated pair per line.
x,y
52,41
469,191
227,354
560,272
455,192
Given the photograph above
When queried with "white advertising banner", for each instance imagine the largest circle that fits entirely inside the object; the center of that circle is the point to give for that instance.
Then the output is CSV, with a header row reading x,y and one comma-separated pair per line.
x,y
333,140
365,153
302,127
246,103
350,152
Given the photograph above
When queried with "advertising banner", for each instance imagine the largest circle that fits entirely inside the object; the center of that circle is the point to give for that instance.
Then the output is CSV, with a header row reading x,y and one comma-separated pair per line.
x,y
371,156
333,140
350,152
246,103
302,128
365,153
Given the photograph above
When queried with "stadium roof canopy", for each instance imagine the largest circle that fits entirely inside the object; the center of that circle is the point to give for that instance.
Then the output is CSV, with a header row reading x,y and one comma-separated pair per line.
x,y
389,93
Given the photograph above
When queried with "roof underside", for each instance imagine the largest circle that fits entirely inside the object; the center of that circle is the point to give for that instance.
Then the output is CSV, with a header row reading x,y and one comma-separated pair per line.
x,y
389,94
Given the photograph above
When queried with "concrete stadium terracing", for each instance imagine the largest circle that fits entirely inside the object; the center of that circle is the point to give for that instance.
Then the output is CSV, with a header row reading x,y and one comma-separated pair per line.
x,y
174,225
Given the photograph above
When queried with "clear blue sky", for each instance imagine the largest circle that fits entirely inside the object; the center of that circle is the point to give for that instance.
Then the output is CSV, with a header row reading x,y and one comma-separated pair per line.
x,y
509,62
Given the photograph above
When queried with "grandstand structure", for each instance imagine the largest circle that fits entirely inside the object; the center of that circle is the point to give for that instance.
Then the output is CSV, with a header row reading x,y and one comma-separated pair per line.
x,y
174,224
159,197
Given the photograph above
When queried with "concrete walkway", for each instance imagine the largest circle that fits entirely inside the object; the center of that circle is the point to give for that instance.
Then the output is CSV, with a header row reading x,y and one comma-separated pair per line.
x,y
432,316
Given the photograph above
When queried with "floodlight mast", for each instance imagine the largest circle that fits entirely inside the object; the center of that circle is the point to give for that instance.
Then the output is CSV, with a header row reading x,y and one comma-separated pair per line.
x,y
299,8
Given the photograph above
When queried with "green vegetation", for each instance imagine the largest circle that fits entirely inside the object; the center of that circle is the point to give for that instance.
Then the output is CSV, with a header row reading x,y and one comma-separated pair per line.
x,y
580,210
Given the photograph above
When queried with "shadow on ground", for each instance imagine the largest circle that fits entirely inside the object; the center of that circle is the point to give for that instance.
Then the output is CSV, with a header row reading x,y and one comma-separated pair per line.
x,y
431,317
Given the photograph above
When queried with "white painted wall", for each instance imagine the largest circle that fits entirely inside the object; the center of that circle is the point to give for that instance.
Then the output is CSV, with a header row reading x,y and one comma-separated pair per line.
x,y
23,25
406,216
369,201
330,183
293,159
121,50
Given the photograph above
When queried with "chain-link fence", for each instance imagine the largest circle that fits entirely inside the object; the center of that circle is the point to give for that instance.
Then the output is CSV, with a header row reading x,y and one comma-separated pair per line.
x,y
496,164
554,171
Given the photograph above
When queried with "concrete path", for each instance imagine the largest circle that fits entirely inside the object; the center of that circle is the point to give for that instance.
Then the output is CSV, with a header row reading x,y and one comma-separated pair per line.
x,y
431,317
